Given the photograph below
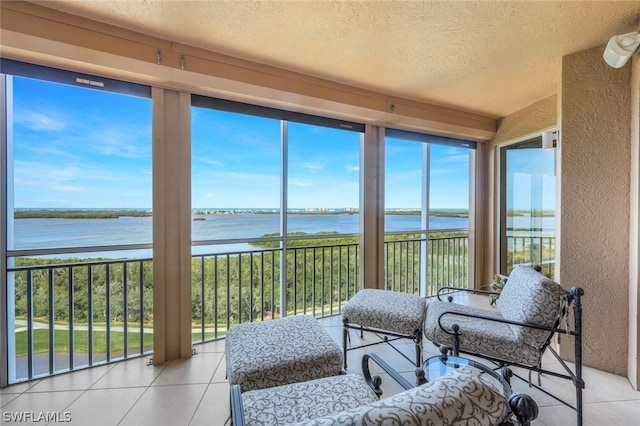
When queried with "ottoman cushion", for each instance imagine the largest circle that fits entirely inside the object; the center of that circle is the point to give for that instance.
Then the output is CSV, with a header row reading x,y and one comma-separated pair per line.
x,y
305,401
386,310
278,352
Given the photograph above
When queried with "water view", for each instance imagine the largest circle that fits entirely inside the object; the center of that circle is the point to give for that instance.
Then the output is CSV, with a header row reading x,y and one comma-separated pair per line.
x,y
41,233
50,233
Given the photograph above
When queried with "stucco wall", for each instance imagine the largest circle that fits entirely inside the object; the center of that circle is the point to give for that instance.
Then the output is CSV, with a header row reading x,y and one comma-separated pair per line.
x,y
634,246
528,121
594,202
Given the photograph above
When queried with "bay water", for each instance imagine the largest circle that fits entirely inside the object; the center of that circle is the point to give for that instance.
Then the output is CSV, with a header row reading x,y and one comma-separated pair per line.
x,y
50,233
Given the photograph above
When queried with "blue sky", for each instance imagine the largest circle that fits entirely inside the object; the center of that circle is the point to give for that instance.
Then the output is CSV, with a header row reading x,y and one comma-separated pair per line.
x,y
531,181
82,148
76,147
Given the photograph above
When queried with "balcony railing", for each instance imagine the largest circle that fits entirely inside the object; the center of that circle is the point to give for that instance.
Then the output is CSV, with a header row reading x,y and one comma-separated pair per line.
x,y
447,263
532,250
72,314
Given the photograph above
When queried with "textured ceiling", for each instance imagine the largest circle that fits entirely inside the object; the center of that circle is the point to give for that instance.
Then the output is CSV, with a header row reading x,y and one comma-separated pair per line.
x,y
492,57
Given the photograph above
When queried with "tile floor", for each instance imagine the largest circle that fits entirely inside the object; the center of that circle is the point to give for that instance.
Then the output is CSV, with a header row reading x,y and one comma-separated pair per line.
x,y
195,392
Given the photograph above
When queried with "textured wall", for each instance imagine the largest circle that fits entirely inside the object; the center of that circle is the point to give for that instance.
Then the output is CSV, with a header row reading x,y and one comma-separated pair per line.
x,y
594,210
634,259
533,119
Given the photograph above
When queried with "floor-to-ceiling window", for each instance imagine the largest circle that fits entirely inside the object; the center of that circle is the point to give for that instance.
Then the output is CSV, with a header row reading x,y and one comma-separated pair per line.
x,y
77,168
322,216
275,214
427,198
527,210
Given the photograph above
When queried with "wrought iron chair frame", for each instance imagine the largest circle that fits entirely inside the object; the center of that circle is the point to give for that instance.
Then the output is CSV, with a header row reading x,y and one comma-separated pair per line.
x,y
575,375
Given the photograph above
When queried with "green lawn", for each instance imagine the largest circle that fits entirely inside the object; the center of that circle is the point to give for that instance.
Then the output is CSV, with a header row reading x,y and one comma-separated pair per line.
x,y
81,341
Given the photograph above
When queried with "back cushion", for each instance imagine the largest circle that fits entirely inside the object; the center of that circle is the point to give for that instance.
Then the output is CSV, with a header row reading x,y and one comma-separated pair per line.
x,y
529,296
464,397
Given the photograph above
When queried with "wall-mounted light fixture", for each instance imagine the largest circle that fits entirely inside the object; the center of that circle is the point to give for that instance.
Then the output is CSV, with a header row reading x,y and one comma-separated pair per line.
x,y
620,48
549,140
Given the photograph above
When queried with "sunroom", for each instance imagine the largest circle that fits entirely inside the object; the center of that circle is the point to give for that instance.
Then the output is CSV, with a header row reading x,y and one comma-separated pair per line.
x,y
170,170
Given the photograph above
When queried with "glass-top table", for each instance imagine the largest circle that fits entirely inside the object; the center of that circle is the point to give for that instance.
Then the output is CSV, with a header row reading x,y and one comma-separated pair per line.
x,y
440,365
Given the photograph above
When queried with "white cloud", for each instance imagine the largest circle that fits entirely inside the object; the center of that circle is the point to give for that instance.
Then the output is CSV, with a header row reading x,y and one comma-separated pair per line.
x,y
67,188
300,182
40,121
349,168
207,161
21,182
313,167
121,142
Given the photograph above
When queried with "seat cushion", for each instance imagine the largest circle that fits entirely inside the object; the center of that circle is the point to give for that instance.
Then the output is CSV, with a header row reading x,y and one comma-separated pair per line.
x,y
493,339
463,397
300,402
280,351
386,310
528,296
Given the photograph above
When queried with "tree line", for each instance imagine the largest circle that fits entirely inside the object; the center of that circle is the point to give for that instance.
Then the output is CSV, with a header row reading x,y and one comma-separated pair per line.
x,y
320,275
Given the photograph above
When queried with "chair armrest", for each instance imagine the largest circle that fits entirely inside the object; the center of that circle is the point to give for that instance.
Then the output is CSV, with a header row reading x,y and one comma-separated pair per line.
x,y
483,317
237,411
468,290
375,381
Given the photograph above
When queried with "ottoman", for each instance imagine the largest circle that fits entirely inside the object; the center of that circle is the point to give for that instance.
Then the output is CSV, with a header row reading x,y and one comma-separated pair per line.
x,y
279,352
390,313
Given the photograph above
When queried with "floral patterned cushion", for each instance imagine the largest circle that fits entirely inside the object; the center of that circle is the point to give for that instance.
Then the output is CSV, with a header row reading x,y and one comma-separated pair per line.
x,y
529,296
304,401
463,397
386,310
277,352
492,339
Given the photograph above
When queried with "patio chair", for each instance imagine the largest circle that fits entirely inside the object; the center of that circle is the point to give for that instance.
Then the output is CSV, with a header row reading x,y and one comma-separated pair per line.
x,y
466,395
529,312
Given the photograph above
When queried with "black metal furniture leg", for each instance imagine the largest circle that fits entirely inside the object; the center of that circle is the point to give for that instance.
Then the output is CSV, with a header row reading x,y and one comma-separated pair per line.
x,y
345,333
578,382
417,338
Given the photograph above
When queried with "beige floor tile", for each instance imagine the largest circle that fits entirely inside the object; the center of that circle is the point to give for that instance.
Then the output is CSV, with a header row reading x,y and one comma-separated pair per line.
x,y
103,407
335,333
36,404
619,413
215,346
214,406
199,368
195,391
77,380
18,387
130,373
220,376
165,405
602,386
332,321
6,398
